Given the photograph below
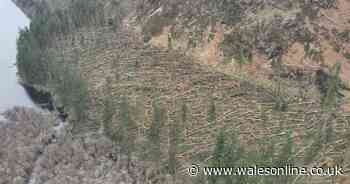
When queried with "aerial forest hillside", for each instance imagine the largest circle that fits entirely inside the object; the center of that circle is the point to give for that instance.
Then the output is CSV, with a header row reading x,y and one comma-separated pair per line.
x,y
171,83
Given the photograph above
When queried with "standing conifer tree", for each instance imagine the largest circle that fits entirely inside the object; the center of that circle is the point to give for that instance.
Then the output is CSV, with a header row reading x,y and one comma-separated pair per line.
x,y
154,132
173,144
233,154
219,154
331,96
286,156
211,112
108,112
127,130
184,118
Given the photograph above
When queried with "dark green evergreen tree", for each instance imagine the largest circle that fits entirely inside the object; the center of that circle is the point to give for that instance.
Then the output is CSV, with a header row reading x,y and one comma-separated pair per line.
x,y
108,117
219,151
286,157
155,130
233,155
173,148
218,159
329,134
331,97
108,112
314,149
212,112
182,124
126,133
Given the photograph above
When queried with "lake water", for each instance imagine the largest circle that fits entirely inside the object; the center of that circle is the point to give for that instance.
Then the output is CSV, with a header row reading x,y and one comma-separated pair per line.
x,y
11,20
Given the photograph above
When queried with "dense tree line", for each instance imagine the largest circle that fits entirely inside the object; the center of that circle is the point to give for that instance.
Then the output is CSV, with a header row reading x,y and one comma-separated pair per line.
x,y
30,59
71,89
32,44
37,66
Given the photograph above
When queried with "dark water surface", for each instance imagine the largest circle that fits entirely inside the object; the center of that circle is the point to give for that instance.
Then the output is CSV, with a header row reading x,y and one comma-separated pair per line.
x,y
11,93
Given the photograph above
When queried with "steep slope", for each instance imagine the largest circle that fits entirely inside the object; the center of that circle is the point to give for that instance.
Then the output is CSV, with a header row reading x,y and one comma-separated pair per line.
x,y
262,30
261,69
